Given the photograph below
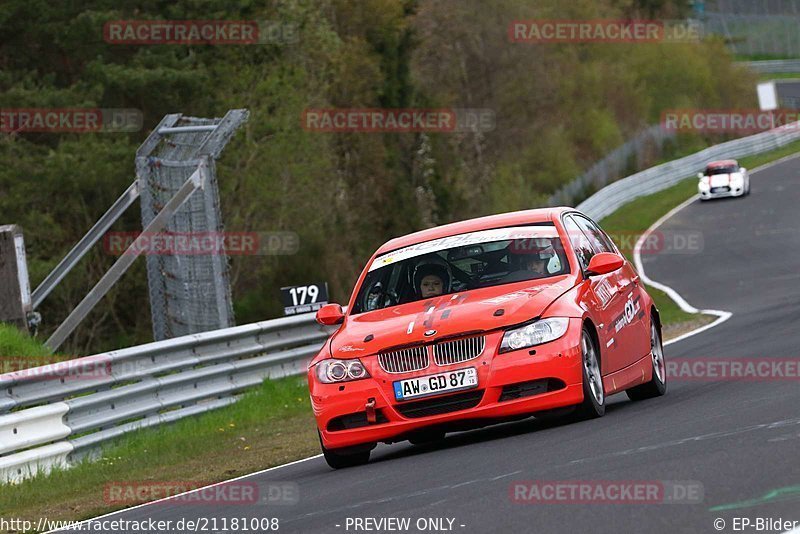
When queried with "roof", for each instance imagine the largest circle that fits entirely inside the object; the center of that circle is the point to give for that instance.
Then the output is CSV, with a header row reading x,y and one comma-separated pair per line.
x,y
513,218
722,163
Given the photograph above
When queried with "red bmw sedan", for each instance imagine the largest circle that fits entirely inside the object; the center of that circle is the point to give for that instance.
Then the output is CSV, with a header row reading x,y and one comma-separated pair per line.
x,y
482,321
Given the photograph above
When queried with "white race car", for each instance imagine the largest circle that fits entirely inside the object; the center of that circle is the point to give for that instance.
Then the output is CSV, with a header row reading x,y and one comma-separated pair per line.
x,y
723,179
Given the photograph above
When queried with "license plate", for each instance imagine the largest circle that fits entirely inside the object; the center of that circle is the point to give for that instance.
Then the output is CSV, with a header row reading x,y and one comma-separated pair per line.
x,y
720,189
424,386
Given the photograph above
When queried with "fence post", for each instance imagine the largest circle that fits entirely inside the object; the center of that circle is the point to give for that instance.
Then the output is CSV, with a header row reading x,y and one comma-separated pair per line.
x,y
15,289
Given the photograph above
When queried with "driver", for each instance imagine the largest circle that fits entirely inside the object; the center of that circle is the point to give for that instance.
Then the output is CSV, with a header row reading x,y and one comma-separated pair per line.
x,y
431,280
537,264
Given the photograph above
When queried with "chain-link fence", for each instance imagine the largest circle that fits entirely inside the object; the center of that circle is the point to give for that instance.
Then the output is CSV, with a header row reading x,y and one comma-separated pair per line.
x,y
756,27
189,293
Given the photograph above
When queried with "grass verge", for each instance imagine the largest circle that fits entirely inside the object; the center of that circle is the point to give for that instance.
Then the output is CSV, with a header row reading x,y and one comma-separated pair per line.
x,y
15,343
270,426
766,76
20,351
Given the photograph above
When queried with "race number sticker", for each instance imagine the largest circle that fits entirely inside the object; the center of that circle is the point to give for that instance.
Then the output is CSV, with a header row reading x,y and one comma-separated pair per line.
x,y
632,311
304,299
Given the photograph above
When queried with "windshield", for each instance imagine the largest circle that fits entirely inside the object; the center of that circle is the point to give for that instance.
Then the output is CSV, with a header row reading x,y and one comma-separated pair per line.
x,y
711,171
460,263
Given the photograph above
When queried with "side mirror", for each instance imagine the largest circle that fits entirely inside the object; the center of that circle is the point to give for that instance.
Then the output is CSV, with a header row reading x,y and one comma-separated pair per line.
x,y
742,170
700,175
604,263
330,314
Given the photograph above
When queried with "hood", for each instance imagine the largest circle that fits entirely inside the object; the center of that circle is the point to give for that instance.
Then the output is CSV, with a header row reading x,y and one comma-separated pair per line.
x,y
449,315
721,180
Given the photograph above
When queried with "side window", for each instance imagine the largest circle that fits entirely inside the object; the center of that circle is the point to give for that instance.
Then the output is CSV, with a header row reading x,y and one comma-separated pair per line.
x,y
580,243
600,241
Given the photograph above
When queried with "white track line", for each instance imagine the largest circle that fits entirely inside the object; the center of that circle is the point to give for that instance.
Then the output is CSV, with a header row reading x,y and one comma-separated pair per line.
x,y
84,522
722,316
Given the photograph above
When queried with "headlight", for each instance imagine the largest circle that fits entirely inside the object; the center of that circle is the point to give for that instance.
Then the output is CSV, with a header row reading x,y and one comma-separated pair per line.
x,y
536,333
333,371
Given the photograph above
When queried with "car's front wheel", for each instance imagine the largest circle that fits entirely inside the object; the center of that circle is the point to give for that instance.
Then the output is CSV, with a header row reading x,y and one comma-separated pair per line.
x,y
594,396
342,458
658,384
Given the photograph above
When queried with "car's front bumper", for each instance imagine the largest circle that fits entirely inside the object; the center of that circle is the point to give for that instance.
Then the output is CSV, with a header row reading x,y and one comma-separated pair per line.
x,y
736,190
509,384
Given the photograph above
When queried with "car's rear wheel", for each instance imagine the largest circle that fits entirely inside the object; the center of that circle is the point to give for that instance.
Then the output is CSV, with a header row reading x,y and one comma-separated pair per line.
x,y
594,396
342,458
658,384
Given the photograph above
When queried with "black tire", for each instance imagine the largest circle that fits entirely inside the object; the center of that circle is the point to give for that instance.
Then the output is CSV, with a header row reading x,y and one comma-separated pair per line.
x,y
342,458
657,386
594,399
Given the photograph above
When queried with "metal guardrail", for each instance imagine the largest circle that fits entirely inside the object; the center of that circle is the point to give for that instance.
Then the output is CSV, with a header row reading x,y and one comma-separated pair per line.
x,y
53,415
776,66
56,414
655,179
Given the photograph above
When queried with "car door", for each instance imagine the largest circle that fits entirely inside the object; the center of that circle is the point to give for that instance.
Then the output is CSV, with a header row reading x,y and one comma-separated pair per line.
x,y
630,327
603,299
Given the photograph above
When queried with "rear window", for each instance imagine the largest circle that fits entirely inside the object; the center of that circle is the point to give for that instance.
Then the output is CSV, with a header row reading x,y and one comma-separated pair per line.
x,y
460,263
